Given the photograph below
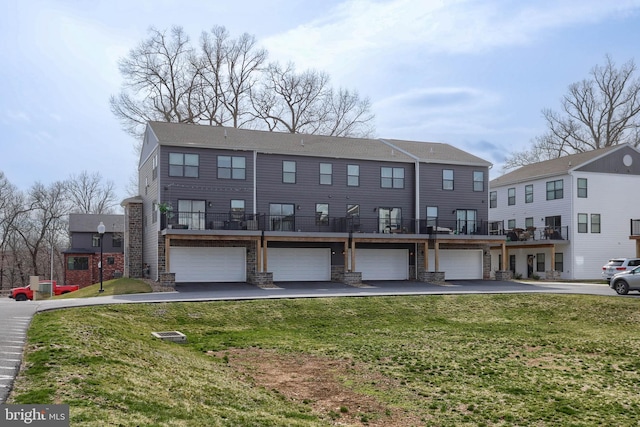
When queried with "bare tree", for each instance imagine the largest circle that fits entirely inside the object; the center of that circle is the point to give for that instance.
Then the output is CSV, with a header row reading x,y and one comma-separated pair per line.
x,y
293,102
161,82
597,112
230,69
89,194
305,103
212,65
12,207
46,225
349,115
225,83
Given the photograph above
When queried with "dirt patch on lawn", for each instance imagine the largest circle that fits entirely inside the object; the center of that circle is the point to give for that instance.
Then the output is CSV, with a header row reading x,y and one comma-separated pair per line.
x,y
321,383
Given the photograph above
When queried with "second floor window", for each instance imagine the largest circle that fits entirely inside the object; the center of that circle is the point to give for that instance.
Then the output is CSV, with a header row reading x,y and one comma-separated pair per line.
x,y
511,196
582,223
555,190
232,167
478,181
116,241
95,241
528,193
595,223
392,177
186,165
326,171
353,175
289,172
447,179
493,199
582,187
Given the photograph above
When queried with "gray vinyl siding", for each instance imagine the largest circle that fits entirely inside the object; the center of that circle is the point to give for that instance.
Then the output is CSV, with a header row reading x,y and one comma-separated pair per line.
x,y
85,241
462,196
207,186
613,163
307,191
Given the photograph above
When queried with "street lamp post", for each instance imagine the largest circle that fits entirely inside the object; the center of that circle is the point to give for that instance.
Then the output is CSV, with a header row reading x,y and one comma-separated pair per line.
x,y
101,233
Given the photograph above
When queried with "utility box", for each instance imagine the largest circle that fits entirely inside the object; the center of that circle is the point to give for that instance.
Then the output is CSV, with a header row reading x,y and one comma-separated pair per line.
x,y
45,288
34,283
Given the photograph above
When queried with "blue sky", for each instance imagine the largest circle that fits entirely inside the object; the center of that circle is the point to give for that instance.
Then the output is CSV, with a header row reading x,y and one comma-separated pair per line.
x,y
474,74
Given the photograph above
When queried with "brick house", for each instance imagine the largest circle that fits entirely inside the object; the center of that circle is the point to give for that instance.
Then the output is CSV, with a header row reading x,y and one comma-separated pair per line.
x,y
82,259
220,204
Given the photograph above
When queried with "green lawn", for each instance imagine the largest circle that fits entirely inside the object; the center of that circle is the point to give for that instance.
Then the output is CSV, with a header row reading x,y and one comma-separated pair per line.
x,y
110,287
474,360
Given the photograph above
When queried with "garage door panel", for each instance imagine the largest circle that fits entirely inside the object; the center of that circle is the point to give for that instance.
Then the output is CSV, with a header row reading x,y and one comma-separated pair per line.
x,y
224,264
299,264
459,264
383,264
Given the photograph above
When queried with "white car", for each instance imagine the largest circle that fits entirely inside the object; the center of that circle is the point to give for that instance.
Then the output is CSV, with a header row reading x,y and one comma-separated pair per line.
x,y
618,265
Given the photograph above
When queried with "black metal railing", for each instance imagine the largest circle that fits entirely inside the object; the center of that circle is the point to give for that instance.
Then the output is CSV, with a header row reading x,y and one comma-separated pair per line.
x,y
319,223
529,233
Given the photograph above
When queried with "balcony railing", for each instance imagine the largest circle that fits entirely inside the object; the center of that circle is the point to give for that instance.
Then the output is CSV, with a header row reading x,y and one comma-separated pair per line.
x,y
635,227
529,233
320,223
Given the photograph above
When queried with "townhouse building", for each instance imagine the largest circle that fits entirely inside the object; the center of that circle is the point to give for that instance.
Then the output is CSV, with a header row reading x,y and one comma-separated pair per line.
x,y
565,217
222,204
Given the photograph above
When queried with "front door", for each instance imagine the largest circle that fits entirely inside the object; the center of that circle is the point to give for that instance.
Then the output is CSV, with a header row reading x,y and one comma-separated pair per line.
x,y
529,266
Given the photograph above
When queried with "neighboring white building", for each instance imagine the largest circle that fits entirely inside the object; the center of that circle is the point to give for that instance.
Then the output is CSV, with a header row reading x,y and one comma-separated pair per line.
x,y
564,218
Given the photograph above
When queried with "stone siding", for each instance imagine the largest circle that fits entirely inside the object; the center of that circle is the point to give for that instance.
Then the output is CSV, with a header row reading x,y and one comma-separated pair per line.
x,y
552,275
133,238
431,276
504,275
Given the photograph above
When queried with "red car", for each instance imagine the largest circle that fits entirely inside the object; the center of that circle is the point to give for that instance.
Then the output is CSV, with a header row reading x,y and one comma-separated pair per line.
x,y
25,293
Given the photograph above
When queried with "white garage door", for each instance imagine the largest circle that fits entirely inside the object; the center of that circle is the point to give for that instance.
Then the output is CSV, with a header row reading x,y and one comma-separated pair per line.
x,y
299,264
208,264
459,264
383,264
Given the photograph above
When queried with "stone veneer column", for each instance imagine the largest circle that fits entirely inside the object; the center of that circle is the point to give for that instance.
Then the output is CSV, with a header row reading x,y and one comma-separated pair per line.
x,y
486,262
504,275
133,237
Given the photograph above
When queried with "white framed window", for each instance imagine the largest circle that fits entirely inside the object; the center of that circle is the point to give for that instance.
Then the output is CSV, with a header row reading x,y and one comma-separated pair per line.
x,y
326,174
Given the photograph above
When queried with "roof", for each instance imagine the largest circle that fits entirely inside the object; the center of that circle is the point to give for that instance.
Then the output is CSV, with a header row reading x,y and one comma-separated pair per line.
x,y
436,152
88,223
203,136
554,167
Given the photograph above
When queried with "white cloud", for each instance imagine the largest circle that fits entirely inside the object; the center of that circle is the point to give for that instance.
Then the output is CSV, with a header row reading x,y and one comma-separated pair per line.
x,y
362,28
436,110
17,116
